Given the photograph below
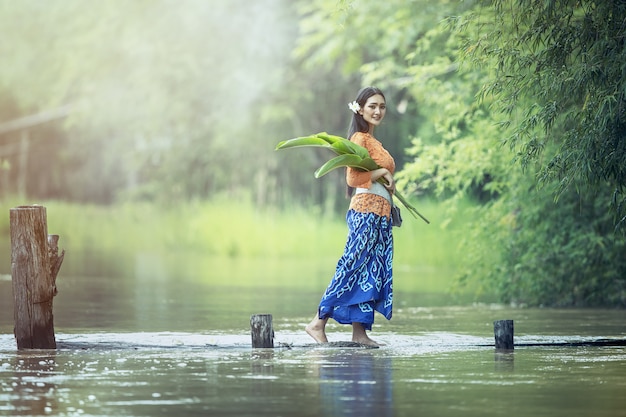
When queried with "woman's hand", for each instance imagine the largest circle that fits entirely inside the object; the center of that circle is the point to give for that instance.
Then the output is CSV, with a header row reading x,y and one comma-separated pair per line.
x,y
384,173
390,184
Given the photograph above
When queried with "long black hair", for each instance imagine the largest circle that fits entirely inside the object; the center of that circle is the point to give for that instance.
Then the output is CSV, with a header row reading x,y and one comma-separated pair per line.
x,y
358,123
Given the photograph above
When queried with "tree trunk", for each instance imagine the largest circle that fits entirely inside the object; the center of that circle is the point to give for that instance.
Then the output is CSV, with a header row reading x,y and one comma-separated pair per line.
x,y
33,283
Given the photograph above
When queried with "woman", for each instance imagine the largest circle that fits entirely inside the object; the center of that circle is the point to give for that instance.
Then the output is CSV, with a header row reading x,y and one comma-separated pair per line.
x,y
362,282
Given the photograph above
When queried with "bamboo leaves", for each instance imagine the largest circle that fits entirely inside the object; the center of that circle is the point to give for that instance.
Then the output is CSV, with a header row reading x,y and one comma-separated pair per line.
x,y
349,154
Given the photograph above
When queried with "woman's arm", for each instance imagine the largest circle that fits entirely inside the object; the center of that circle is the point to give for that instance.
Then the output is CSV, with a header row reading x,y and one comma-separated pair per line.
x,y
357,178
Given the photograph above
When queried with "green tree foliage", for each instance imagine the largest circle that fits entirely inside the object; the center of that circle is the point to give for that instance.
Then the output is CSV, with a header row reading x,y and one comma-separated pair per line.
x,y
555,81
563,255
537,59
559,79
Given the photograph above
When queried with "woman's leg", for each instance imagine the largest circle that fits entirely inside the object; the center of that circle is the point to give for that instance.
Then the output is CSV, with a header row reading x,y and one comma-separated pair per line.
x,y
316,329
360,336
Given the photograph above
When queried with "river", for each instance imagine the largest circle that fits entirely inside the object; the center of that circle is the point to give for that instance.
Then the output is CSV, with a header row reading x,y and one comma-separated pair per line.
x,y
161,340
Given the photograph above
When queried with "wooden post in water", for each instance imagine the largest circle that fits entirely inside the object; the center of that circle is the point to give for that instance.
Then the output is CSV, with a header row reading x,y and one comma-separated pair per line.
x,y
34,265
262,331
503,332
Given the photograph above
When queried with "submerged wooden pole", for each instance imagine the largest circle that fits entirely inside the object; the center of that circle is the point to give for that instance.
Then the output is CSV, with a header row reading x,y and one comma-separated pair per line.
x,y
262,331
34,265
503,333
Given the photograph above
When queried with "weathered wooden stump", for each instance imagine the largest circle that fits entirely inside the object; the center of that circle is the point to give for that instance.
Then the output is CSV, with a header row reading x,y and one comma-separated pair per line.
x,y
503,333
262,331
35,264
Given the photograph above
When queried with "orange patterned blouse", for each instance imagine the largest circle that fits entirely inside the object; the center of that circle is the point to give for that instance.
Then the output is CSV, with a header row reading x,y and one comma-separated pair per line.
x,y
369,203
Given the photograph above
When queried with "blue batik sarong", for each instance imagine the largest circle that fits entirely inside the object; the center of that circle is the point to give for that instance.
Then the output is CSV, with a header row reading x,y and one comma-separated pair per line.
x,y
362,282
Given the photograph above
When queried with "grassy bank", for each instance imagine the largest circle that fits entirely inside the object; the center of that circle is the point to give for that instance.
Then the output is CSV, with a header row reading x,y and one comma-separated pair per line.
x,y
234,229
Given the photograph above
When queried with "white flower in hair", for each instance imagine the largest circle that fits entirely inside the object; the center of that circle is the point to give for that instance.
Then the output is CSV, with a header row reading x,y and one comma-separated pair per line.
x,y
354,106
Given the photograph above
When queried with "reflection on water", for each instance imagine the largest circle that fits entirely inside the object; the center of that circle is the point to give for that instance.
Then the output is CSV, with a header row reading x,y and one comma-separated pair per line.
x,y
504,361
354,383
33,394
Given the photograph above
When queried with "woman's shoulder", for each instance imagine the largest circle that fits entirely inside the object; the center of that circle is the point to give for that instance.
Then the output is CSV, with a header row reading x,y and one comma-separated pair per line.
x,y
365,139
361,137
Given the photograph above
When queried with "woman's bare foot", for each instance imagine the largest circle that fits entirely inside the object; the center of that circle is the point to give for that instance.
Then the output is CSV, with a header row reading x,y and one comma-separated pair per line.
x,y
316,329
360,336
368,342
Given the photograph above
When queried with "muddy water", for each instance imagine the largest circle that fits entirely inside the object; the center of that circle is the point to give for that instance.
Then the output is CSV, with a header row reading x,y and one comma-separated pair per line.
x,y
182,347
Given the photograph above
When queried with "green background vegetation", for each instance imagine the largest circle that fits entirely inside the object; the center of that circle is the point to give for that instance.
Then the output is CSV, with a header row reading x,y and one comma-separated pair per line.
x,y
153,125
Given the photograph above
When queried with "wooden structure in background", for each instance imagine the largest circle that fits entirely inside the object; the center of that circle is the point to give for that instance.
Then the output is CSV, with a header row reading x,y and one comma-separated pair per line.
x,y
35,263
22,148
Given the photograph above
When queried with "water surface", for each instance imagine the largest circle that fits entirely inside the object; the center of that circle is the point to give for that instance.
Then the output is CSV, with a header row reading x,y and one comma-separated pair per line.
x,y
148,337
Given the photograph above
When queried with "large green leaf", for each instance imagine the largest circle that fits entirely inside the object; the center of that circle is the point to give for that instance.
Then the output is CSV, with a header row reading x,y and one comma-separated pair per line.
x,y
357,149
343,145
369,164
329,138
336,143
340,147
346,160
303,141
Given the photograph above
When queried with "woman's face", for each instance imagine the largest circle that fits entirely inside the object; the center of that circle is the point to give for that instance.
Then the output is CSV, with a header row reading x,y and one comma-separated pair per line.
x,y
374,110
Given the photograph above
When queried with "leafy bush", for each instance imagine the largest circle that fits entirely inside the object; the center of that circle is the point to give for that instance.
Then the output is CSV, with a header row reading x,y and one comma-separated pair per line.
x,y
550,253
